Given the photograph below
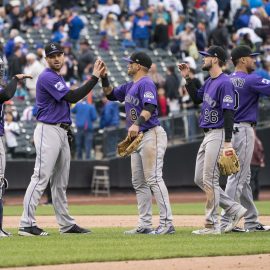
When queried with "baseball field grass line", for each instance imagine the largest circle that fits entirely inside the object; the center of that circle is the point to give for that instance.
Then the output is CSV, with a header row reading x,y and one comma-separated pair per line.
x,y
177,208
110,244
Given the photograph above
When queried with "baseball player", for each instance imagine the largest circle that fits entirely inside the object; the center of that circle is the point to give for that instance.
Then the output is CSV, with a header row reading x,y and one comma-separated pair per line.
x,y
248,86
140,96
51,141
217,98
6,93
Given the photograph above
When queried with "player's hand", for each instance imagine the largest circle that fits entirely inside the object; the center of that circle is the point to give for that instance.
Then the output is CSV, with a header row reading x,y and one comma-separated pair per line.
x,y
23,76
184,69
98,68
133,131
105,72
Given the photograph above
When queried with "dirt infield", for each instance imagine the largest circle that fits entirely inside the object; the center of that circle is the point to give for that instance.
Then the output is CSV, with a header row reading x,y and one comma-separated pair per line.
x,y
114,221
250,262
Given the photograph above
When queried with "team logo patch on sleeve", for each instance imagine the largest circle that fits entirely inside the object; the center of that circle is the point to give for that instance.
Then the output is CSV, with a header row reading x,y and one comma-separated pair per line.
x,y
228,99
148,95
59,86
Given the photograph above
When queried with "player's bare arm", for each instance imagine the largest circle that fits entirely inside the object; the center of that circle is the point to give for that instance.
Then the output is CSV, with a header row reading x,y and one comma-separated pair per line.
x,y
184,70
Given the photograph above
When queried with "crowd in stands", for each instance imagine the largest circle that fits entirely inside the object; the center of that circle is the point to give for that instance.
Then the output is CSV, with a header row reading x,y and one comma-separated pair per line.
x,y
180,28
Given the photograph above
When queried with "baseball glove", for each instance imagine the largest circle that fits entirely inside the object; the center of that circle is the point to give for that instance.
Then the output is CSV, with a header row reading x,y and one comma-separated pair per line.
x,y
228,162
129,145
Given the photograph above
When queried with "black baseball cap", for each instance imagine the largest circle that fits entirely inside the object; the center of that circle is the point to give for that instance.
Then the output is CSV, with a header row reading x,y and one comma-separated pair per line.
x,y
140,58
242,51
215,51
52,48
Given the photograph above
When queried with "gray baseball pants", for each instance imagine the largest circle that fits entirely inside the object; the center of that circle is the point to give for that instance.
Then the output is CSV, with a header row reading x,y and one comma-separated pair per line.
x,y
146,167
238,185
52,164
207,178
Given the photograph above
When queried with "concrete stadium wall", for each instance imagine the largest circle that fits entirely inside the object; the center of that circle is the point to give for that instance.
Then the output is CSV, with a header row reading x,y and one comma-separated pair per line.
x,y
178,168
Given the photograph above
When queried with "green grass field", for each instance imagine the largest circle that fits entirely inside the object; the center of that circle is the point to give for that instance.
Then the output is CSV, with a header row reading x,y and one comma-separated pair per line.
x,y
110,244
177,208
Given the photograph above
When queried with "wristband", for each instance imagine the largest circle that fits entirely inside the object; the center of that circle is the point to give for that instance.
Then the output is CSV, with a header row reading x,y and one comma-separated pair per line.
x,y
140,121
105,81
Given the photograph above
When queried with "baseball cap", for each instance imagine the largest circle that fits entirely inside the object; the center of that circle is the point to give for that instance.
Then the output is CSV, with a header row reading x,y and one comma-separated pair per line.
x,y
242,51
52,48
140,58
215,51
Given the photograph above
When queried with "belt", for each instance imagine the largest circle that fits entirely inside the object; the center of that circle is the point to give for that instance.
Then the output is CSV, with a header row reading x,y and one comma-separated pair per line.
x,y
252,124
205,130
61,125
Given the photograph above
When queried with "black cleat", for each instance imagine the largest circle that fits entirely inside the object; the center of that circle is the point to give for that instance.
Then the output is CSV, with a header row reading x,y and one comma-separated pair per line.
x,y
76,229
32,231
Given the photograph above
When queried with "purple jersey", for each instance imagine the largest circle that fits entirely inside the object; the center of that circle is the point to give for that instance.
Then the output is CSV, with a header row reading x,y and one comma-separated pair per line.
x,y
135,95
217,94
2,122
51,108
247,88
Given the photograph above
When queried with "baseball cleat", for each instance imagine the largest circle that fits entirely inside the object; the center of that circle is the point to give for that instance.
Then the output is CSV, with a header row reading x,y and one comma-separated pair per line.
x,y
4,233
261,228
207,231
140,230
235,219
165,229
76,229
239,230
32,231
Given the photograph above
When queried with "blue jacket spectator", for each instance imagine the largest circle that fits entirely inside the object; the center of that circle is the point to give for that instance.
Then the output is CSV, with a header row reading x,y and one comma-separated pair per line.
x,y
75,26
110,114
86,114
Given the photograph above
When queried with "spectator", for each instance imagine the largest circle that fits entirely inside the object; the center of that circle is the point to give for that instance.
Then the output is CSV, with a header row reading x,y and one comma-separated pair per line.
x,y
86,59
187,38
60,35
141,28
163,109
109,121
75,26
34,68
21,92
10,44
257,162
127,41
219,36
70,66
201,36
157,78
161,35
171,87
110,114
109,25
245,40
15,63
104,43
85,116
110,7
212,13
12,130
14,15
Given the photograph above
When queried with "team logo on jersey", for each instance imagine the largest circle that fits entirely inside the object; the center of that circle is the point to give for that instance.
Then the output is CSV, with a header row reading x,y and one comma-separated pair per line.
x,y
238,82
228,99
265,81
59,86
148,95
208,99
